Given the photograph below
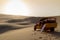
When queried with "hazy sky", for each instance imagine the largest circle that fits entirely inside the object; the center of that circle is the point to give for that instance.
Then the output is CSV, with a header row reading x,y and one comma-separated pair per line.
x,y
30,7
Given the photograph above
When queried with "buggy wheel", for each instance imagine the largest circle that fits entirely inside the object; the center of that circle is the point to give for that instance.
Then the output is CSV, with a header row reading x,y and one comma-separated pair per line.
x,y
52,29
35,28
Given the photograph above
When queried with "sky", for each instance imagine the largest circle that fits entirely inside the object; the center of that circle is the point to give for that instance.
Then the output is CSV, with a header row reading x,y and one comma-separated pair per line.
x,y
30,7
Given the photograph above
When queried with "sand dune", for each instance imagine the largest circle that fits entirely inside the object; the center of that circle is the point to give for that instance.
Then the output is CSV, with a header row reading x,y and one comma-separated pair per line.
x,y
22,29
29,34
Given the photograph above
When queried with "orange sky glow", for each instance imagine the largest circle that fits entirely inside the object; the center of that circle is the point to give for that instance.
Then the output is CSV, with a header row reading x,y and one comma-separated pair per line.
x,y
30,7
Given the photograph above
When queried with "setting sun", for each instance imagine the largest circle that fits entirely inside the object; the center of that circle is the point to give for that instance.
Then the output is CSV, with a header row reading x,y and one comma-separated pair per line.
x,y
15,7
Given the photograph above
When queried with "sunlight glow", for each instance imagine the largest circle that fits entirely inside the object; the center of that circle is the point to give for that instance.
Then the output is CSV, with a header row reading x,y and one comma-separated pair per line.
x,y
15,7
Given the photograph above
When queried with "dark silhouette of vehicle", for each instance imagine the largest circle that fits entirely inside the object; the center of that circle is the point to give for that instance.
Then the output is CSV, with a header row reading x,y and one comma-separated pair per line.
x,y
49,22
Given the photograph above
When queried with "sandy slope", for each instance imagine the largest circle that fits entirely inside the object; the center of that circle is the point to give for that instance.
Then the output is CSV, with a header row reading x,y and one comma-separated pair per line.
x,y
27,34
21,34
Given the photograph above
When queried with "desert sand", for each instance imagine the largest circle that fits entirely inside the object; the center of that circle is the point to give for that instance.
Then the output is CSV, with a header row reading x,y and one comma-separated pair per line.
x,y
13,29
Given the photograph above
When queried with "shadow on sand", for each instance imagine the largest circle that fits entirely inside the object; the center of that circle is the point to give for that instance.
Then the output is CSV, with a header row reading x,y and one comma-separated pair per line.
x,y
30,19
55,34
5,28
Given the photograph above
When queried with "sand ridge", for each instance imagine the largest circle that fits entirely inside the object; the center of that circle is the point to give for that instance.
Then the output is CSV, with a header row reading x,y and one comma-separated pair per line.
x,y
27,34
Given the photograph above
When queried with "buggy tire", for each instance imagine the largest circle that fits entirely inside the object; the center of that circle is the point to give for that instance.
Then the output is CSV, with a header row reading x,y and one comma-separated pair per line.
x,y
35,28
52,29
